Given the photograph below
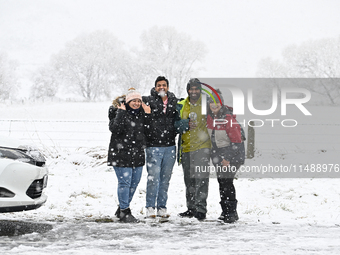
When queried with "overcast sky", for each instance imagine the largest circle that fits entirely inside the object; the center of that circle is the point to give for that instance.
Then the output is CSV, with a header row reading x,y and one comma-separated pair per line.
x,y
237,33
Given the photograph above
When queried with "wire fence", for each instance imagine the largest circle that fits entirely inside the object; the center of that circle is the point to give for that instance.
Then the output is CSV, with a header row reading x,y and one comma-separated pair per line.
x,y
58,133
72,134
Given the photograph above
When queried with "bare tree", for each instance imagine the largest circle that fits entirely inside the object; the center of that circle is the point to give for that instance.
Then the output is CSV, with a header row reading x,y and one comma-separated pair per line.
x,y
172,54
91,65
98,65
45,83
8,78
318,59
312,59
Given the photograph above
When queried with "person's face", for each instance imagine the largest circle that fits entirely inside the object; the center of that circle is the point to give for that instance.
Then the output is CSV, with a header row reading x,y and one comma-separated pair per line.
x,y
215,107
194,93
135,103
162,86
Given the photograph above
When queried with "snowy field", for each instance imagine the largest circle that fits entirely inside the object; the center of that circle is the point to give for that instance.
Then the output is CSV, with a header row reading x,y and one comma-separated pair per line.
x,y
277,215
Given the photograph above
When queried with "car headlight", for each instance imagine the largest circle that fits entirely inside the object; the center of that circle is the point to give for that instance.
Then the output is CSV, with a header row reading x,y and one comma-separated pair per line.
x,y
33,153
24,154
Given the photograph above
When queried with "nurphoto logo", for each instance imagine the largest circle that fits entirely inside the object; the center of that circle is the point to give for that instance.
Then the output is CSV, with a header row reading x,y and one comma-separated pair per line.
x,y
278,97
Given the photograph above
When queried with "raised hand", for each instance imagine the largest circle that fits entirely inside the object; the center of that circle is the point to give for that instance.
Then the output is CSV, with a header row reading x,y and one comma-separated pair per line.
x,y
122,106
146,108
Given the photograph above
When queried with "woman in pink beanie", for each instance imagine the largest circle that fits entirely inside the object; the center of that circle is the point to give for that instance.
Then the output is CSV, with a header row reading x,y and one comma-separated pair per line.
x,y
129,119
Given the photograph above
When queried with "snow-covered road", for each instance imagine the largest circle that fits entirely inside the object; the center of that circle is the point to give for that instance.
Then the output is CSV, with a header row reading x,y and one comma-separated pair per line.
x,y
177,237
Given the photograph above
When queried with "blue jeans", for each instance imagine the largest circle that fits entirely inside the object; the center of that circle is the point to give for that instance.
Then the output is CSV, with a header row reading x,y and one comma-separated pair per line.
x,y
159,164
128,179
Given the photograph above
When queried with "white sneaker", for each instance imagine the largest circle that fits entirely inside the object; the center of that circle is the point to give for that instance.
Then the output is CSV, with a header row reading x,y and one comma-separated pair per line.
x,y
150,212
162,213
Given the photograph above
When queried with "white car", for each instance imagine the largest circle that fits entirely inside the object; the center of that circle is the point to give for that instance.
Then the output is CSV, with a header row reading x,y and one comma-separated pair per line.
x,y
23,176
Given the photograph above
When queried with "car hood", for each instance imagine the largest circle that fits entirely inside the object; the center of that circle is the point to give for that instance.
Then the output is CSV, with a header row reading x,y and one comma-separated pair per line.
x,y
15,149
9,142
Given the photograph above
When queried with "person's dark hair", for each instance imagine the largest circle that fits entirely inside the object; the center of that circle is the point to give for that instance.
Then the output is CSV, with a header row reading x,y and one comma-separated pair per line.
x,y
162,78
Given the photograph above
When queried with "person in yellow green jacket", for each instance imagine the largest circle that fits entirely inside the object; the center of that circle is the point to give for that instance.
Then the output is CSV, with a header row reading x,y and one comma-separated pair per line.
x,y
194,147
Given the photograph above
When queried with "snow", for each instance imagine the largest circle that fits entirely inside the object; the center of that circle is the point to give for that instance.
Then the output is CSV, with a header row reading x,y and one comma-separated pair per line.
x,y
277,215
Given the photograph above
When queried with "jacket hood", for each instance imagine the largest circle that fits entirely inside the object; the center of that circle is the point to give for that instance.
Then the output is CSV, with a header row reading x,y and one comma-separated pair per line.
x,y
116,102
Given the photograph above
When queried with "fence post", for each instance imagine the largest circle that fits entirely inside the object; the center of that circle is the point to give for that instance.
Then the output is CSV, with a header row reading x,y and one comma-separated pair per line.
x,y
251,140
10,127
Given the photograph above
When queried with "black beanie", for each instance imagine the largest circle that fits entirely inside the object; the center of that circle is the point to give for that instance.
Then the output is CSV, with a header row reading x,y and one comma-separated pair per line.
x,y
210,100
194,82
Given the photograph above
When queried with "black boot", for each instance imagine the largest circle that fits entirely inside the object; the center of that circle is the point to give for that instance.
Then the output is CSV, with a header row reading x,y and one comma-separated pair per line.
x,y
221,216
126,216
200,216
187,214
229,212
117,213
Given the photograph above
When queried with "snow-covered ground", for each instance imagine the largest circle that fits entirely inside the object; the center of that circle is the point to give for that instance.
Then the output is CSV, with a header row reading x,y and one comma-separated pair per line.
x,y
277,215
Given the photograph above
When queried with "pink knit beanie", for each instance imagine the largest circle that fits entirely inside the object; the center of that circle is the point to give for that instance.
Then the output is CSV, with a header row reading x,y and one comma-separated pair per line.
x,y
132,94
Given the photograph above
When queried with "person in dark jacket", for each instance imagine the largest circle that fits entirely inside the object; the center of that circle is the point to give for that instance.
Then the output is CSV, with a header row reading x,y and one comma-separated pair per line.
x,y
193,150
128,118
161,147
227,154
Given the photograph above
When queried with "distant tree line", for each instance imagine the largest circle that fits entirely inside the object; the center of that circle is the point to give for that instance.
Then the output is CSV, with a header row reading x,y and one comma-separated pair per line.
x,y
98,65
